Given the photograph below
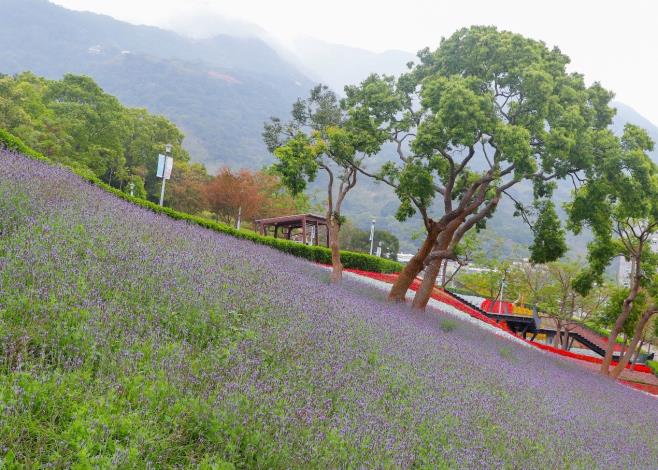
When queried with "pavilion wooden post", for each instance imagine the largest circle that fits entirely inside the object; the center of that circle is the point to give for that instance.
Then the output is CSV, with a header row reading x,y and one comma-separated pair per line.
x,y
317,234
276,231
304,230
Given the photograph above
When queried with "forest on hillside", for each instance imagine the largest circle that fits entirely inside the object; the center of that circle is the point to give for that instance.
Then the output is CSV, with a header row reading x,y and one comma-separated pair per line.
x,y
74,122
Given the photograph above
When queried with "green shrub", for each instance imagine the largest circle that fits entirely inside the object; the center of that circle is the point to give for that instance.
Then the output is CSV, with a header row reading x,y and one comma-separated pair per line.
x,y
317,254
654,366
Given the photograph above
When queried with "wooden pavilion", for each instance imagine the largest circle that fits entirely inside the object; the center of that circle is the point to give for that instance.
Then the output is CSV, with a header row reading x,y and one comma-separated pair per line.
x,y
308,223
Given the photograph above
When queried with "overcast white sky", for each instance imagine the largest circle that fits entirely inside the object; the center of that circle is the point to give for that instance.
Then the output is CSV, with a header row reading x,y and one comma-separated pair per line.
x,y
614,42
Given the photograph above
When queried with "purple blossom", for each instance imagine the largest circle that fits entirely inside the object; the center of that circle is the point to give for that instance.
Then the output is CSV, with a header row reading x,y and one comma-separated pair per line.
x,y
202,344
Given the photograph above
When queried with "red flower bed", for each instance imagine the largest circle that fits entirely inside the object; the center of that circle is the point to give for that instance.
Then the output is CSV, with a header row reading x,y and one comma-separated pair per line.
x,y
652,389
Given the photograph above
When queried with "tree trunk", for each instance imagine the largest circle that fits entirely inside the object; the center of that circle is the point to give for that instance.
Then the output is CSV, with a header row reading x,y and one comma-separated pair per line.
x,y
557,339
425,290
415,265
637,334
432,270
619,325
336,265
443,273
636,356
565,343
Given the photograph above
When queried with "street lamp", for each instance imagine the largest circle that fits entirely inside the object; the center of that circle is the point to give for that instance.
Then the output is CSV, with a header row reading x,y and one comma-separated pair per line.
x,y
165,165
372,235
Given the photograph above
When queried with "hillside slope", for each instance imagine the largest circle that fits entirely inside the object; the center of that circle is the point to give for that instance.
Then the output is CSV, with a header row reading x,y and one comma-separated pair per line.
x,y
129,339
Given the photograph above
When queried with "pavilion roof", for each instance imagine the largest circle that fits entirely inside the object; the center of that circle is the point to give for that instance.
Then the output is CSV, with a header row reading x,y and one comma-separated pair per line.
x,y
292,219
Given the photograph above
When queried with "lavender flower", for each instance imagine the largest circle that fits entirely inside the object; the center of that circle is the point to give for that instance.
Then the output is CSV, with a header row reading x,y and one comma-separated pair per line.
x,y
130,339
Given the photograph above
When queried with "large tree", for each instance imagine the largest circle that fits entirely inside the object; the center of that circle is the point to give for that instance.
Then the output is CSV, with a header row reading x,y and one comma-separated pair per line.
x,y
619,202
476,117
233,196
321,137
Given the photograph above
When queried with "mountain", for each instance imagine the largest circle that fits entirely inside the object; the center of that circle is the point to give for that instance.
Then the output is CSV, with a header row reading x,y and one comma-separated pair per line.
x,y
337,65
219,90
220,86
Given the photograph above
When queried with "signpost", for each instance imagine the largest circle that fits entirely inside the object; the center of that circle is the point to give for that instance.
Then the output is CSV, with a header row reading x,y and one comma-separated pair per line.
x,y
165,165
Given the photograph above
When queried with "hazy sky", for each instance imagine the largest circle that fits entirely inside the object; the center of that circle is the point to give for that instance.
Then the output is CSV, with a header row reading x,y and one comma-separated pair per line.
x,y
614,42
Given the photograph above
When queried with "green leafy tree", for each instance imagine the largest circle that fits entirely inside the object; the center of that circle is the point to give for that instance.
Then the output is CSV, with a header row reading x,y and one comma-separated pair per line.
x,y
555,296
321,137
75,122
353,238
494,267
619,202
485,111
549,242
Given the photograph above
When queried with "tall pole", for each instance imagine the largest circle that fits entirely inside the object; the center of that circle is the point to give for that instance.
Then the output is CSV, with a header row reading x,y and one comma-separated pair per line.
x,y
372,235
162,190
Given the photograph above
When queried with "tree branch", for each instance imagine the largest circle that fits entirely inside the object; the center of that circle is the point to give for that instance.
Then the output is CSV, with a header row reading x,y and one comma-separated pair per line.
x,y
330,190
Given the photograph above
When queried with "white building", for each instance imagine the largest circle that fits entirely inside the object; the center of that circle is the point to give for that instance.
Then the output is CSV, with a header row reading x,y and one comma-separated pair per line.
x,y
625,268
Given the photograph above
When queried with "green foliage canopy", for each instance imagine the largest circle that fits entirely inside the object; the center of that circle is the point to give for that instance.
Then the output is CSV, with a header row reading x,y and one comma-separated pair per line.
x,y
73,121
481,113
619,203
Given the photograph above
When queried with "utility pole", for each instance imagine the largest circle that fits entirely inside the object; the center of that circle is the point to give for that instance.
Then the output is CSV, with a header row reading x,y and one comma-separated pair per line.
x,y
372,235
165,165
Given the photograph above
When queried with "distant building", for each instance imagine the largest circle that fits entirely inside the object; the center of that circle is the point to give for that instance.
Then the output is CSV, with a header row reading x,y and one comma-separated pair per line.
x,y
624,272
625,268
404,257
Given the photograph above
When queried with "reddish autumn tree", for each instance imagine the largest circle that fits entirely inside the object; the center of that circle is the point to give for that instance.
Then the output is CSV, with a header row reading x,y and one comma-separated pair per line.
x,y
185,191
234,196
277,200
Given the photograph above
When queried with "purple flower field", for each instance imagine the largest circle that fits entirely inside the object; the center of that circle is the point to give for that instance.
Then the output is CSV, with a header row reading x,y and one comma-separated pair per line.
x,y
128,339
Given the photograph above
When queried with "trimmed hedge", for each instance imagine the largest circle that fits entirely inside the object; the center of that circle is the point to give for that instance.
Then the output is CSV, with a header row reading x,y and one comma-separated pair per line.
x,y
318,254
653,365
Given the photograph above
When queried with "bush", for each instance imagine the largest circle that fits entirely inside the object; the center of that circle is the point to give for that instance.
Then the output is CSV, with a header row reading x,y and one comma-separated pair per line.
x,y
654,366
317,254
